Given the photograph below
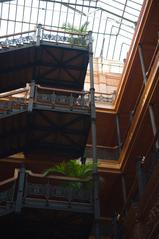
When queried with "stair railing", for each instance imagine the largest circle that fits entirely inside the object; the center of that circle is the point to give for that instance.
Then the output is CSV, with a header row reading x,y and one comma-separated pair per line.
x,y
14,101
7,193
41,34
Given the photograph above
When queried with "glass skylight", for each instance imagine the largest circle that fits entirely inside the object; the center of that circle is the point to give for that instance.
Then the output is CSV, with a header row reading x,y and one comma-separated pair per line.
x,y
112,22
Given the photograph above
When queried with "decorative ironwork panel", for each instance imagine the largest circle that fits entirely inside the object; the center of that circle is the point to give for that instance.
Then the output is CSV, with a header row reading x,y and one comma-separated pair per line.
x,y
63,100
57,191
7,195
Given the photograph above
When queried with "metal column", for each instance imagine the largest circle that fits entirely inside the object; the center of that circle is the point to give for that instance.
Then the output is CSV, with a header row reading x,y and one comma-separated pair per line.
x,y
20,192
151,112
140,177
118,132
123,188
93,128
38,34
153,122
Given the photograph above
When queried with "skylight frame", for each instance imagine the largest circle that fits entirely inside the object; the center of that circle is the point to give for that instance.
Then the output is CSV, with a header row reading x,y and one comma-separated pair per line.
x,y
112,29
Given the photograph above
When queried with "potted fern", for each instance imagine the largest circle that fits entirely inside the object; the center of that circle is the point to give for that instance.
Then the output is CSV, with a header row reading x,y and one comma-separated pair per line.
x,y
79,189
73,168
79,40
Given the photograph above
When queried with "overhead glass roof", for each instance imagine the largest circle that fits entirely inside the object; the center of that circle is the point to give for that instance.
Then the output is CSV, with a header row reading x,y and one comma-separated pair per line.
x,y
112,22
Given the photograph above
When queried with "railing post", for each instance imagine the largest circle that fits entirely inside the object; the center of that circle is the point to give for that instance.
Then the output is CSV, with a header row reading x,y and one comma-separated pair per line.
x,y
31,96
93,128
118,132
38,34
151,112
124,188
20,190
117,228
140,176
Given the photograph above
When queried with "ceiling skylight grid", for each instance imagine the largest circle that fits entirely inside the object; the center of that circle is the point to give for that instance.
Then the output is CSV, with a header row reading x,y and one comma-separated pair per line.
x,y
112,21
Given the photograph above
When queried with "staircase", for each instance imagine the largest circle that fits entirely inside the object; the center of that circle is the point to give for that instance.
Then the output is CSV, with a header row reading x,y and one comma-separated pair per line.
x,y
42,105
44,111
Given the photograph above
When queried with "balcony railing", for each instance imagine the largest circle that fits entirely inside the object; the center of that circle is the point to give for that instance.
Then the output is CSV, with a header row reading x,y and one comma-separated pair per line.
x,y
27,189
35,96
40,34
142,200
102,99
73,100
103,153
49,98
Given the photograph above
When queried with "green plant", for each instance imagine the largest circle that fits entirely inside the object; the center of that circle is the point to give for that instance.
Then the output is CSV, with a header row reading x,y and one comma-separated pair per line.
x,y
78,40
73,168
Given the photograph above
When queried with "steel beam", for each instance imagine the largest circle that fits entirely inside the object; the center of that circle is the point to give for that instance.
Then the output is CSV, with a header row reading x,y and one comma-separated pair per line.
x,y
93,128
142,63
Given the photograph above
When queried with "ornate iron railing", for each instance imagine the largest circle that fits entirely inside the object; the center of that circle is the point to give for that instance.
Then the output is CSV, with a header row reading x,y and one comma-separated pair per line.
x,y
18,100
70,38
43,97
103,153
41,34
29,189
104,98
54,187
7,194
57,97
13,101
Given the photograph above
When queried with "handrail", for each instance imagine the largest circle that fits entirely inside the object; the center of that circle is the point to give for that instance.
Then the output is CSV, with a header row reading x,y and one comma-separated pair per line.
x,y
16,171
63,178
73,91
104,147
66,32
16,34
62,90
38,175
13,92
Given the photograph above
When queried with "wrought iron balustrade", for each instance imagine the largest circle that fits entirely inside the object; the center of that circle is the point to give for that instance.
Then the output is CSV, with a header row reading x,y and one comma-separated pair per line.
x,y
17,39
104,98
63,98
41,34
19,100
68,191
7,194
103,153
13,101
70,38
27,189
